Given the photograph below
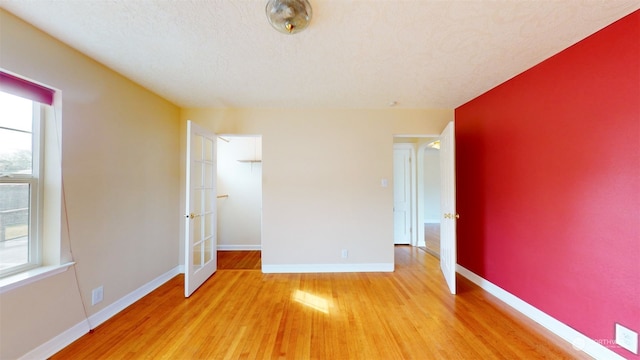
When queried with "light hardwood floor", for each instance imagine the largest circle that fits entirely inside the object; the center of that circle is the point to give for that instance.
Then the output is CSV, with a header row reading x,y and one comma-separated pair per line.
x,y
432,239
236,260
244,314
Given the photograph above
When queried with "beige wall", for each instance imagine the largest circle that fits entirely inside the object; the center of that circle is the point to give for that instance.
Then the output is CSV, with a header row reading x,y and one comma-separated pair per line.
x,y
321,177
120,155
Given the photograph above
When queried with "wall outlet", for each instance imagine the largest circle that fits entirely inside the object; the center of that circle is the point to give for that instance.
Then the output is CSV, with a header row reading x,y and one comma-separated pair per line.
x,y
345,253
97,295
627,338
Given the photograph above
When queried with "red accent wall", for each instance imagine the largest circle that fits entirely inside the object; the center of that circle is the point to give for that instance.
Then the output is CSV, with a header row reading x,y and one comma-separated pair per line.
x,y
548,184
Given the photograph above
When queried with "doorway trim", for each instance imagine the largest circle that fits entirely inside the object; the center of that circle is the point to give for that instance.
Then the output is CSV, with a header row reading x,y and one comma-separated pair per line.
x,y
420,187
417,184
227,137
420,194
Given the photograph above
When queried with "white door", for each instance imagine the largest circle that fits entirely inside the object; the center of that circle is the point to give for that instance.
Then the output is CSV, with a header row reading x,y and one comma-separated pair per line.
x,y
448,206
401,194
200,230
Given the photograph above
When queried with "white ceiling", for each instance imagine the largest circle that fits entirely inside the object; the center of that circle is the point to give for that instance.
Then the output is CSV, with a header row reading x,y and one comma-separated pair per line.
x,y
354,54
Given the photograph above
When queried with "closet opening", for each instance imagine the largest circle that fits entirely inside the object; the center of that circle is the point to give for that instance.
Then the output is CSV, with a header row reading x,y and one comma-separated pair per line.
x,y
239,188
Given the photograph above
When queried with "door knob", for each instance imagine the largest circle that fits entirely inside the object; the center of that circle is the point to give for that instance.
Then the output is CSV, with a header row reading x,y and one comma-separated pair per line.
x,y
192,215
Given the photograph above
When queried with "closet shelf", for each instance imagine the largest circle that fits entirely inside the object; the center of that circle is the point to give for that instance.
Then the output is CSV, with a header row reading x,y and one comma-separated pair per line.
x,y
250,161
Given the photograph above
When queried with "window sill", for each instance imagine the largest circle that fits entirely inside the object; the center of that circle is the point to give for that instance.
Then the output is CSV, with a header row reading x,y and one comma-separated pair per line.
x,y
24,278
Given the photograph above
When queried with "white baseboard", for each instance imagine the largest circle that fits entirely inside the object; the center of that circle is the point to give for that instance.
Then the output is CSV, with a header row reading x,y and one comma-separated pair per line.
x,y
121,304
326,268
72,334
579,341
59,342
239,247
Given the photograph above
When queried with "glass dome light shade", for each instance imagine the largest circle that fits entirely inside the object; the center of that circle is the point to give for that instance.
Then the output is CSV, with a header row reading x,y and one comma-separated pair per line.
x,y
289,16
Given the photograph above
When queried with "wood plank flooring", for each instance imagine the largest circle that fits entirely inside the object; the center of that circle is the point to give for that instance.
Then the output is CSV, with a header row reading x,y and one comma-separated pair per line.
x,y
432,239
239,314
248,260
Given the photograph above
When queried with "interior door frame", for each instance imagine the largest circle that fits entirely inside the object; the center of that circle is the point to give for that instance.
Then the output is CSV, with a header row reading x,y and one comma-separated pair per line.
x,y
229,137
418,195
420,173
417,173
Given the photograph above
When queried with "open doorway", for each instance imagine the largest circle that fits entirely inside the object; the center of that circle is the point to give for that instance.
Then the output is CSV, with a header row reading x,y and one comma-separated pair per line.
x,y
429,195
239,184
423,191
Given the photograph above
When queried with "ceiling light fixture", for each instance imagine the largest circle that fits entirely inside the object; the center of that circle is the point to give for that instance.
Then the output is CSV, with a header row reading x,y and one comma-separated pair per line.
x,y
289,16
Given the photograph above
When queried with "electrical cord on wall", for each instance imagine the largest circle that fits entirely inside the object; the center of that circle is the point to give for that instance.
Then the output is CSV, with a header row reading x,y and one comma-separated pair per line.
x,y
58,128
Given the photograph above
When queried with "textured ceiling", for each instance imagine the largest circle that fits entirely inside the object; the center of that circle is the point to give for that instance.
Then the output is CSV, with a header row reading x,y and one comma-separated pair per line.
x,y
355,54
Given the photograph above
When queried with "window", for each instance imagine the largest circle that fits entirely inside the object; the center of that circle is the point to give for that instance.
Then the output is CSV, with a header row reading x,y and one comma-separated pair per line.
x,y
20,185
30,223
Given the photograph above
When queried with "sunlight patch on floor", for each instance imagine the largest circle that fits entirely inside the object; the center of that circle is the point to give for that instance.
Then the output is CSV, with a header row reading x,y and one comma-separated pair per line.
x,y
312,301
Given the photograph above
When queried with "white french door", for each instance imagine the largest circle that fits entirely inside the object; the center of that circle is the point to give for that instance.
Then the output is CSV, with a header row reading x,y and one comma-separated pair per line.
x,y
200,229
448,206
